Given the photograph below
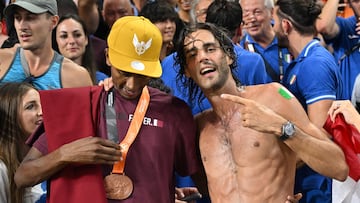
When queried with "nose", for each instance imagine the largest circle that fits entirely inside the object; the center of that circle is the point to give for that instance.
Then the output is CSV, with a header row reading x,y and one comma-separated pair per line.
x,y
40,113
202,55
130,82
71,40
22,24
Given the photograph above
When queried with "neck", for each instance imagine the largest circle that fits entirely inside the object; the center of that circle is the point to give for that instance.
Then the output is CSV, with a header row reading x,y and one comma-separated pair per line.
x,y
163,51
139,4
265,39
220,106
184,16
297,43
38,60
78,60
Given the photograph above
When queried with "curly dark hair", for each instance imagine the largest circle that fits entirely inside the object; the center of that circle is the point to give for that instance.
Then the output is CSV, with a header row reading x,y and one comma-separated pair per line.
x,y
180,59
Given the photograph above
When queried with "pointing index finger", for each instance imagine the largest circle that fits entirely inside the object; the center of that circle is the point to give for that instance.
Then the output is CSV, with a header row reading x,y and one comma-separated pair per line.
x,y
234,98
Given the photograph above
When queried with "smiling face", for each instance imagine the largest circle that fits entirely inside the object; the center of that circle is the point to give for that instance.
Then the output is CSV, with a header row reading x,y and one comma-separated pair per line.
x,y
30,111
71,39
207,63
256,17
167,29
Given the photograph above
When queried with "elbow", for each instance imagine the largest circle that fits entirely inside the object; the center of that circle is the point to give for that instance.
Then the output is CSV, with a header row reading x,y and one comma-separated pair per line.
x,y
321,27
343,172
19,180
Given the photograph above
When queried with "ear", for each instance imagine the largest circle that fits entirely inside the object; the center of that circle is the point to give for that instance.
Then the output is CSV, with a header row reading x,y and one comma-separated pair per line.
x,y
286,26
107,57
54,20
229,61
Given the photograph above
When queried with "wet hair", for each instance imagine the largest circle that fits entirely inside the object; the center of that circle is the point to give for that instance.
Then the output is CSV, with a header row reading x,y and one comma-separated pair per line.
x,y
87,60
12,133
301,13
225,44
224,13
159,11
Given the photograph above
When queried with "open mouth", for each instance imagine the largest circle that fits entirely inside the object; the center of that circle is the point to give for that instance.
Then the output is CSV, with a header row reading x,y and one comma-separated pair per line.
x,y
207,70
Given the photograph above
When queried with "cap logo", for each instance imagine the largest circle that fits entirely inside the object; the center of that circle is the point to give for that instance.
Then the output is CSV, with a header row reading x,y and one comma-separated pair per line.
x,y
141,47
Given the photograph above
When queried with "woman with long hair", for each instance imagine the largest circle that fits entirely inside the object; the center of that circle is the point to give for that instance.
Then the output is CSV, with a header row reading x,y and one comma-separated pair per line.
x,y
72,41
20,115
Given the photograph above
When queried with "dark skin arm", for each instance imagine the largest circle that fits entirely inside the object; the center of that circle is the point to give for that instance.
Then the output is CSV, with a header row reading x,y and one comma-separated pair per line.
x,y
37,167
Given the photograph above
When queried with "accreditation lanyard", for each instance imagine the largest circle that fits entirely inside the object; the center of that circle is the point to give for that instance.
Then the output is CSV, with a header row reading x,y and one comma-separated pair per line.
x,y
250,47
133,130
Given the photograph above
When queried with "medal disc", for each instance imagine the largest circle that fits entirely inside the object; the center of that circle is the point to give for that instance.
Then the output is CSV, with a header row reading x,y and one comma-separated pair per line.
x,y
118,186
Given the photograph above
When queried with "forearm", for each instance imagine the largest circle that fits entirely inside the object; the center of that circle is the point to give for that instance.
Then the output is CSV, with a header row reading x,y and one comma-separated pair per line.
x,y
357,123
88,12
35,170
322,155
326,22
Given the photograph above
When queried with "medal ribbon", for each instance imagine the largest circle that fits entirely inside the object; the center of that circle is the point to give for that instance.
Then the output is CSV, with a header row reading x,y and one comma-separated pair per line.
x,y
133,130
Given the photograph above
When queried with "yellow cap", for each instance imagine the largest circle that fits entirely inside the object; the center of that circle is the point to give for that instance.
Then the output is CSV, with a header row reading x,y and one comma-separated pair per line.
x,y
134,46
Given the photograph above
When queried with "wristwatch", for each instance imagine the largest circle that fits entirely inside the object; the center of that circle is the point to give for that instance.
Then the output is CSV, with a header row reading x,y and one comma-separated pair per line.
x,y
287,131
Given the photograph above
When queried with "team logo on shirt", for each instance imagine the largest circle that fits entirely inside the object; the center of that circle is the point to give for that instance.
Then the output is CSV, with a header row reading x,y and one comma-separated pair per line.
x,y
149,121
141,47
293,79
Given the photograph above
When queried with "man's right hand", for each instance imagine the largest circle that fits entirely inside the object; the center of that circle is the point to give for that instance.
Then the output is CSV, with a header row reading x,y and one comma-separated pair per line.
x,y
90,150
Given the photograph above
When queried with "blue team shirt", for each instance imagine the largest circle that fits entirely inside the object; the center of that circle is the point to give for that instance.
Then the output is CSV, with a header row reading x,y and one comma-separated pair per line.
x,y
314,76
311,77
270,54
250,70
345,40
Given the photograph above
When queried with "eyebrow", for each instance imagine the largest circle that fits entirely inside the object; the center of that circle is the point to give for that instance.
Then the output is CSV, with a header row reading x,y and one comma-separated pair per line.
x,y
193,48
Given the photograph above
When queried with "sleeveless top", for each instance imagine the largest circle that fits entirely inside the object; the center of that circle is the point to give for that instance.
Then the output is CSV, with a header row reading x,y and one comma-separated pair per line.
x,y
19,72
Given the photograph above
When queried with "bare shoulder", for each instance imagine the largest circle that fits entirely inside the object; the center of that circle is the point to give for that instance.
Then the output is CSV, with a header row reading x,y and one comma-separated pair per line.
x,y
6,57
74,75
279,99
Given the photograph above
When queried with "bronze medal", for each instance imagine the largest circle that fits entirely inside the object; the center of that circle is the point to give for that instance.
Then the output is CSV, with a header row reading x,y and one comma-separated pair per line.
x,y
118,186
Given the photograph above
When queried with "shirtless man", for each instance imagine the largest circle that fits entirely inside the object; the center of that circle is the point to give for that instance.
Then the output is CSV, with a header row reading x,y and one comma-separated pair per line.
x,y
246,155
34,60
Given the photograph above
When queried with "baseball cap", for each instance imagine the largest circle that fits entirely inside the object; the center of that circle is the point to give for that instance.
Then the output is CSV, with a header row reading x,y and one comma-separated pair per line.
x,y
134,46
33,6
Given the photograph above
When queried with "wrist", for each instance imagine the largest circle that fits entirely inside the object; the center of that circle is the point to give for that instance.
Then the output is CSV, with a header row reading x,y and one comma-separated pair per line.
x,y
287,131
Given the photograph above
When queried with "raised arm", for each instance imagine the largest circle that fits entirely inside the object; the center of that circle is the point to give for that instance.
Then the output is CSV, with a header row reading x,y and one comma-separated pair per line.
x,y
326,22
37,167
89,13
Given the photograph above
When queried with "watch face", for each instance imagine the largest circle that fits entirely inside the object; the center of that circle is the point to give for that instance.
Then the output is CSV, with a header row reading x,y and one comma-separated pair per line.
x,y
289,129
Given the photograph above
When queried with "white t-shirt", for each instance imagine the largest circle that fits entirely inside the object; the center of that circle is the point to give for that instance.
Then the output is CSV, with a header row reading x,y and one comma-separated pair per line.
x,y
4,184
32,194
